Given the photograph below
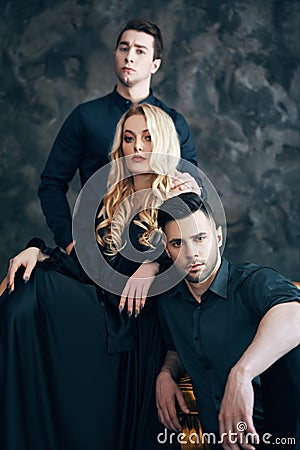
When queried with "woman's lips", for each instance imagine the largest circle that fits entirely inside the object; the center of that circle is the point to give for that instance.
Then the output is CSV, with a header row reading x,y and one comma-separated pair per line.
x,y
138,159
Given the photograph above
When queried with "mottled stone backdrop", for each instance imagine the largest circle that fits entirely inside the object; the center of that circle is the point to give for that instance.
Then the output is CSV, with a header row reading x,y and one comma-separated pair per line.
x,y
231,67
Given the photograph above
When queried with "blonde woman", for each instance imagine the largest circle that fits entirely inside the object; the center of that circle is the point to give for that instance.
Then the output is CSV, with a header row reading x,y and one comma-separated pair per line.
x,y
77,372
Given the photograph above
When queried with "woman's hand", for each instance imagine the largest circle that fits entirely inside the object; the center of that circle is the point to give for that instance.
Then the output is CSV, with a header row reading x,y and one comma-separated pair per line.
x,y
184,182
3,285
137,288
28,258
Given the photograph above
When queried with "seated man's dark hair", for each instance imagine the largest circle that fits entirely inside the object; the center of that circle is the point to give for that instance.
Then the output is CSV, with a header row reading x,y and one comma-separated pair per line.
x,y
181,206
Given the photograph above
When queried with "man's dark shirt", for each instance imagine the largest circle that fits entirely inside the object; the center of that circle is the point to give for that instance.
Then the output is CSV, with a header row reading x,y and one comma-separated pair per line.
x,y
212,335
84,143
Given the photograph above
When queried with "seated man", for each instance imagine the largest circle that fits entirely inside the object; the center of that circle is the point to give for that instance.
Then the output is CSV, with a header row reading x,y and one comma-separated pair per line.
x,y
235,328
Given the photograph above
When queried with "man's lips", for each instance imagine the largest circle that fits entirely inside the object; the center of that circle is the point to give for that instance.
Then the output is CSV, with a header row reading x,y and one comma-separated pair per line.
x,y
196,266
128,69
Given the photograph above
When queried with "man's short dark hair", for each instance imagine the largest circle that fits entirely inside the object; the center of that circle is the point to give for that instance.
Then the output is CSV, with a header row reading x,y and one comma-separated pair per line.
x,y
145,26
180,207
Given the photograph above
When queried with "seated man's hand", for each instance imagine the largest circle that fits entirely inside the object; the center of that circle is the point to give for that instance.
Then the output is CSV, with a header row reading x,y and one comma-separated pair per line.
x,y
236,413
167,394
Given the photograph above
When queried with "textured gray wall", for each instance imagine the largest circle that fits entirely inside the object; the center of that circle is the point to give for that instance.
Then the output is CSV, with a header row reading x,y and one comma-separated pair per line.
x,y
231,67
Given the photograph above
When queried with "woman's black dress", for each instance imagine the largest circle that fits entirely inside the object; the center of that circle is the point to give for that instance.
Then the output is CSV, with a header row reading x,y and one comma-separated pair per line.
x,y
61,386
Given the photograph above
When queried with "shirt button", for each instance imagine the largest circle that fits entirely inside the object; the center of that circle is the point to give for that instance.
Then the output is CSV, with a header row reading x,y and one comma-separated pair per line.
x,y
217,397
207,367
196,338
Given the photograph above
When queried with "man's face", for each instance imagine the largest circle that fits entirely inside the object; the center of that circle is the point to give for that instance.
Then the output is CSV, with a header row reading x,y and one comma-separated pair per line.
x,y
193,244
134,62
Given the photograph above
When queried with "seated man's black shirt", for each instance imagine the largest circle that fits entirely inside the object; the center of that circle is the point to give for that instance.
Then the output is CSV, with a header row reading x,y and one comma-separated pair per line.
x,y
212,335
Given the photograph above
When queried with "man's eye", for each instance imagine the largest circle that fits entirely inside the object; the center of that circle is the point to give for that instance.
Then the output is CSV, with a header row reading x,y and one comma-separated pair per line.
x,y
140,52
176,244
123,49
128,139
200,238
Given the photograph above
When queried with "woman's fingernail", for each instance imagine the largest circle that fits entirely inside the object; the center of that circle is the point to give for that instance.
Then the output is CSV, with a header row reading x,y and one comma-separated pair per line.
x,y
8,288
129,314
136,313
141,307
26,279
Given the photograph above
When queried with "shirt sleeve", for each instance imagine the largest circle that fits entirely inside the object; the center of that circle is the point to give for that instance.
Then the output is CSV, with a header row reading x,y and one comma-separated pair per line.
x,y
61,166
266,288
188,151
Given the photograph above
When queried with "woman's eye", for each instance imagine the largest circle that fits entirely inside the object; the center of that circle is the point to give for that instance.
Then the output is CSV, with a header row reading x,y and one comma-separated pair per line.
x,y
148,138
128,139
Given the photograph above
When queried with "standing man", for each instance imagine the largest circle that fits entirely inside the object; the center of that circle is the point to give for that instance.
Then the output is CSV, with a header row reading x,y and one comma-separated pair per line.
x,y
235,328
85,139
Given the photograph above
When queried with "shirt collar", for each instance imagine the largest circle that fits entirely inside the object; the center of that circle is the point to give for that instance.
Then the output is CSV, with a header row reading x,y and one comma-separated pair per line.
x,y
220,283
218,286
125,104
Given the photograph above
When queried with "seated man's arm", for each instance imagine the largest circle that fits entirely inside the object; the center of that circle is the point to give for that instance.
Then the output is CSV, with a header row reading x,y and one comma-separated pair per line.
x,y
277,334
168,392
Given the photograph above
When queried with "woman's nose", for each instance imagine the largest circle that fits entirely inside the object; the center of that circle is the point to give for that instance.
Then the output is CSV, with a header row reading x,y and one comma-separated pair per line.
x,y
139,146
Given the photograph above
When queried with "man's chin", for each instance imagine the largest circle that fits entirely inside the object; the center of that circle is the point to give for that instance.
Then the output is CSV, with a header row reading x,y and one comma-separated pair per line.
x,y
196,278
199,277
126,81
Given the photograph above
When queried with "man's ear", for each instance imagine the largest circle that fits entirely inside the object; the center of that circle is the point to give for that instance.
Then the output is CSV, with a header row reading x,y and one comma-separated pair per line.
x,y
155,65
164,242
167,252
219,234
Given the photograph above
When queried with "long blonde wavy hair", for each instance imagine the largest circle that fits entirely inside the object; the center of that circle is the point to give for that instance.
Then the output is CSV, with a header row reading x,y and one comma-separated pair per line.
x,y
118,204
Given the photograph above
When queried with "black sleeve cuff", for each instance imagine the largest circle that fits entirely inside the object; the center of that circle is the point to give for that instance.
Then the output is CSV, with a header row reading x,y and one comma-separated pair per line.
x,y
39,243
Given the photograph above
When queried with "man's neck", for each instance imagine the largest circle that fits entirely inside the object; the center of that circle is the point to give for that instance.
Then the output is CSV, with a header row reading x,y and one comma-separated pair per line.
x,y
134,93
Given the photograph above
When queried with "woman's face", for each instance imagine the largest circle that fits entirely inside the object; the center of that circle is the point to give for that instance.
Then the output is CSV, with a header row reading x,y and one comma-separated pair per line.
x,y
136,144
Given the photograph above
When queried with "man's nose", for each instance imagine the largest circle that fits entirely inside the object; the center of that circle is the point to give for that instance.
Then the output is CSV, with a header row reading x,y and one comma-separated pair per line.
x,y
130,55
192,250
